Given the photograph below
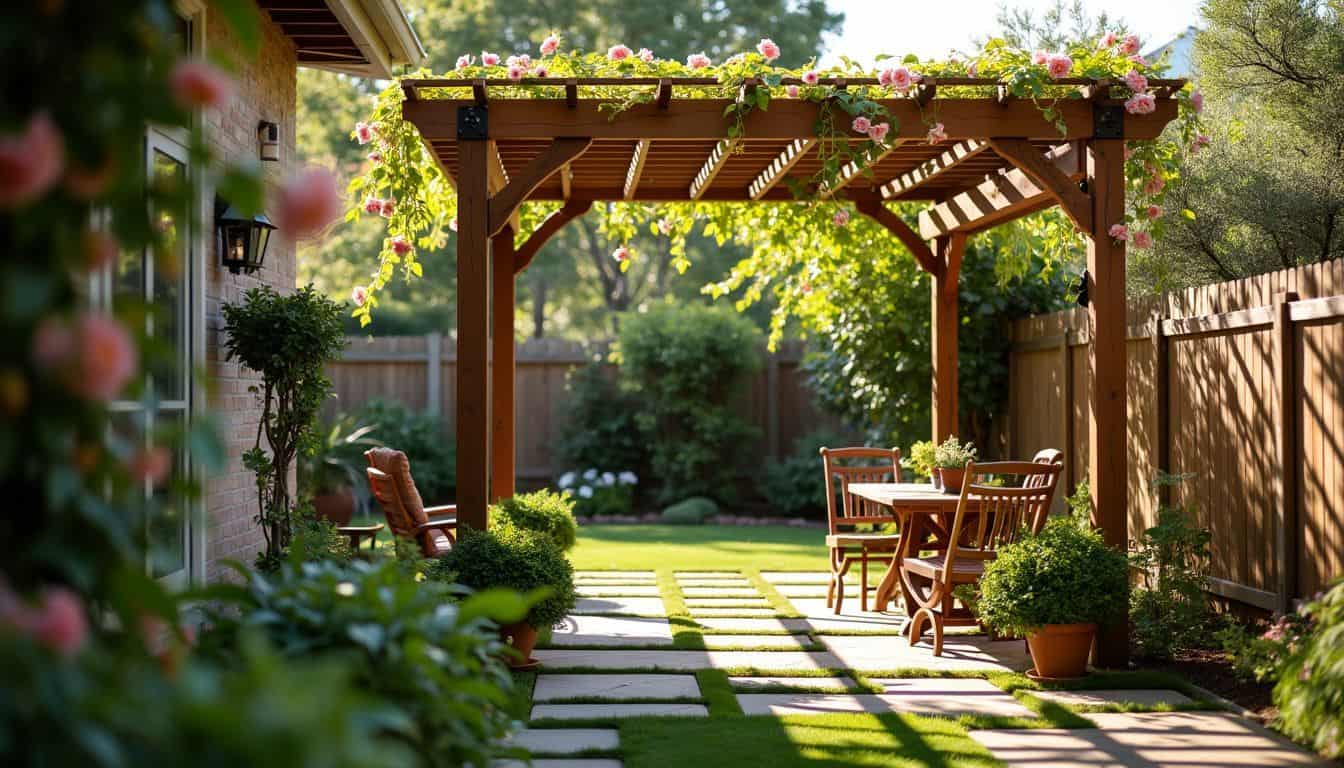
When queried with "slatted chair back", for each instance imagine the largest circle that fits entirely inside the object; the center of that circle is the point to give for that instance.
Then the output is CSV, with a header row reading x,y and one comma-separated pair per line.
x,y
991,516
1044,456
390,479
845,466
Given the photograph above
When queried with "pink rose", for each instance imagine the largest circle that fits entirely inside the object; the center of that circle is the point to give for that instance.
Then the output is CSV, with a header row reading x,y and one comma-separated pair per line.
x,y
898,78
1119,232
541,71
100,249
59,622
1138,60
807,289
1202,140
1059,65
373,205
1143,240
489,59
811,77
150,465
550,45
1130,44
1038,58
619,52
1141,104
198,85
1197,101
697,60
665,226
376,157
879,132
861,124
1155,211
841,218
645,55
359,294
307,203
1136,81
621,254
400,246
768,49
973,69
86,184
1129,152
464,61
516,72
387,207
1154,184
105,357
521,60
363,132
30,162
53,344
452,223
1107,41
937,133
792,91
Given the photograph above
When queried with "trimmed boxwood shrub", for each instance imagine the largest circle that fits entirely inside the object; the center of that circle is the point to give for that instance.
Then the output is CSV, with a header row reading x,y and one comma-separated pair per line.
x,y
1064,575
543,512
513,558
692,511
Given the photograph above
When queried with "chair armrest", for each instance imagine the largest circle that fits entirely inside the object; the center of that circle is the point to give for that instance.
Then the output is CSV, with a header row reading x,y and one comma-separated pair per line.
x,y
443,510
442,523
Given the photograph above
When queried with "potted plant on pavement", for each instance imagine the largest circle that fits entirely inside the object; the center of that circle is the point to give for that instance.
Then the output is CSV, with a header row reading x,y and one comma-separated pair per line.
x,y
1054,588
949,460
519,559
332,468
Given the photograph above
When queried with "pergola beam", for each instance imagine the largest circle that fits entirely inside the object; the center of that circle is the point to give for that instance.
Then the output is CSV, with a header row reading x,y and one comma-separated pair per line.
x,y
1002,196
504,204
525,253
713,164
780,167
932,169
636,168
855,169
873,208
1026,158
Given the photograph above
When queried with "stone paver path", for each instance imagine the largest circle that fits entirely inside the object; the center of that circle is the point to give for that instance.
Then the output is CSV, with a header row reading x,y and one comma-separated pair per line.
x,y
1103,698
615,687
612,630
565,741
961,653
749,684
590,711
639,606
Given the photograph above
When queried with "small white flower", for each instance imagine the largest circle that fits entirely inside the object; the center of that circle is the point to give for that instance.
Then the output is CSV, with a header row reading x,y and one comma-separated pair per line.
x,y
566,479
585,492
608,479
628,478
590,475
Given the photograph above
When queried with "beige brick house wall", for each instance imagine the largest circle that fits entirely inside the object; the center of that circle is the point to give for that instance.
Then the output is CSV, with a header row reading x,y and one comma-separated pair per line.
x,y
266,90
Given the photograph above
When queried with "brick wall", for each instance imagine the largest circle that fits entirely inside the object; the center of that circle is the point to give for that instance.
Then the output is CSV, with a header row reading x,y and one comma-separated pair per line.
x,y
266,90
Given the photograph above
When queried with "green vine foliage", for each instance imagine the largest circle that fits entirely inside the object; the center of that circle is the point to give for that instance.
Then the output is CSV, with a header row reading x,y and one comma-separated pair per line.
x,y
425,203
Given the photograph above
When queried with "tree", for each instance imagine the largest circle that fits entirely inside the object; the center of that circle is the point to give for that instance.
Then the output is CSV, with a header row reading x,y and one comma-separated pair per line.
x,y
1268,192
1054,27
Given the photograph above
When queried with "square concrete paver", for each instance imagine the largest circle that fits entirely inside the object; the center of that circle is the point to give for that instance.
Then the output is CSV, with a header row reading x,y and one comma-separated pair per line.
x,y
702,583
851,617
774,661
963,653
755,641
720,592
747,684
640,606
798,577
708,575
586,711
614,574
1147,698
727,602
814,591
779,704
615,687
749,625
565,741
1125,740
611,630
586,590
561,762
721,612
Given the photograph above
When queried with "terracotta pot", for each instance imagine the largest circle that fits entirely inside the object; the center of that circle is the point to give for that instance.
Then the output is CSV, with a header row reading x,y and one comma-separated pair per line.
x,y
338,506
522,638
951,479
1060,651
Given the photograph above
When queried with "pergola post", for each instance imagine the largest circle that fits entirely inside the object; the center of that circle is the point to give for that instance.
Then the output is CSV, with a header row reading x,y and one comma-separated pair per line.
x,y
502,263
1107,469
947,251
473,326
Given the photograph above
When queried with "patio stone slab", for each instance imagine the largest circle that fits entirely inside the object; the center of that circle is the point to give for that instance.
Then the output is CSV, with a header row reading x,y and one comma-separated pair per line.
x,y
708,574
964,653
566,762
614,582
565,741
838,683
586,711
622,574
611,630
748,625
701,583
1126,740
753,641
615,687
850,618
721,592
1147,698
797,577
586,590
813,590
686,660
721,612
644,606
933,703
727,602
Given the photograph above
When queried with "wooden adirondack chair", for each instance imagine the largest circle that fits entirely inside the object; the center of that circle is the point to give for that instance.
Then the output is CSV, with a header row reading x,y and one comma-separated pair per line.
x,y
434,528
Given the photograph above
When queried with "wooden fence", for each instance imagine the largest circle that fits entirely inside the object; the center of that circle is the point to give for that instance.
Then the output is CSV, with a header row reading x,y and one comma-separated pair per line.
x,y
1240,385
420,372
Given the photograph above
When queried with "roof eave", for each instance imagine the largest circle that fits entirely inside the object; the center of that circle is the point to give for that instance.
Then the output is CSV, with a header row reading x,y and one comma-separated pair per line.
x,y
381,31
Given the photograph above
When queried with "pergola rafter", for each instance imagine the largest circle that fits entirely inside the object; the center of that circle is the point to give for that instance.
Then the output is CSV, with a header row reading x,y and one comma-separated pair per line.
x,y
1006,160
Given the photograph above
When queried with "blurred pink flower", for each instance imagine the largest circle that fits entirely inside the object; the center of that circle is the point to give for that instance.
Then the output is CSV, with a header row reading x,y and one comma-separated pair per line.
x,y
1107,41
1143,239
550,45
898,78
387,208
105,357
100,248
1138,60
196,84
665,226
520,60
697,60
1039,57
359,294
1129,152
841,218
937,133
792,91
59,622
1135,80
373,205
516,72
53,344
452,223
464,61
1130,44
150,464
89,184
645,55
621,254
807,289
376,157
1203,140
1154,211
1059,65
768,49
541,71
879,132
811,77
1197,101
861,124
1141,104
400,245
1118,232
619,52
489,59
1154,184
30,162
308,203
363,132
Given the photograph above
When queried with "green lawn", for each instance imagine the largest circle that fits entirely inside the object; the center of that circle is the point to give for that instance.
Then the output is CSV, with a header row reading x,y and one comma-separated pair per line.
x,y
699,547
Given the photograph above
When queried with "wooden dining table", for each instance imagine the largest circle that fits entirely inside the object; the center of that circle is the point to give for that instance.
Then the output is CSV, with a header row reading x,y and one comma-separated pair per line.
x,y
924,514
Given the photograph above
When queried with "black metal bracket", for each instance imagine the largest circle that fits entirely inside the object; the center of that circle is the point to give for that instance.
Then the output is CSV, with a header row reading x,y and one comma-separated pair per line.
x,y
473,123
1108,121
1080,296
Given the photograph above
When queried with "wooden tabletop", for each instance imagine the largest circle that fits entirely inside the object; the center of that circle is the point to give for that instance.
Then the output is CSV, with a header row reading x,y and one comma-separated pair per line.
x,y
905,495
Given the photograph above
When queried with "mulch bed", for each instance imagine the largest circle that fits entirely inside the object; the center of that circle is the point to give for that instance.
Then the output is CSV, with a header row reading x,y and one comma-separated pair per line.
x,y
1212,671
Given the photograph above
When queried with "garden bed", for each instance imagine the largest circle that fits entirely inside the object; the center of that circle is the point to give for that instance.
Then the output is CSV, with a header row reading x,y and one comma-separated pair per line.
x,y
1212,671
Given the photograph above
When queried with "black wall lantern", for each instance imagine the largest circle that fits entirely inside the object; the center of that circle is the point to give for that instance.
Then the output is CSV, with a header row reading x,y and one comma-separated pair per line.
x,y
242,239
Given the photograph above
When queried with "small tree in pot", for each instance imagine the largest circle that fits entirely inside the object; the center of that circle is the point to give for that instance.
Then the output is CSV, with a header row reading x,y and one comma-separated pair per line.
x,y
1055,588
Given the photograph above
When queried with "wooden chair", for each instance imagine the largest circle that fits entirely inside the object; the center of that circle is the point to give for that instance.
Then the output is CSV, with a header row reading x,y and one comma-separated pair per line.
x,y
434,528
881,465
987,518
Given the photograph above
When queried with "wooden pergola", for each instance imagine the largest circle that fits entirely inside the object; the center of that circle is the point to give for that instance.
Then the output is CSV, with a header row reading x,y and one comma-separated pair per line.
x,y
1002,160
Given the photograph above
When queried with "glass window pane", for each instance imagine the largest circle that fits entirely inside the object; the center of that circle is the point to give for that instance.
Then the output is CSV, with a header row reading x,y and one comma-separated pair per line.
x,y
168,522
169,297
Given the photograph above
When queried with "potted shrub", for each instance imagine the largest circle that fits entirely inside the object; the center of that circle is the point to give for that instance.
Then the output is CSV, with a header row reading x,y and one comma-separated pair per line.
x,y
542,512
514,558
949,460
1054,588
333,467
